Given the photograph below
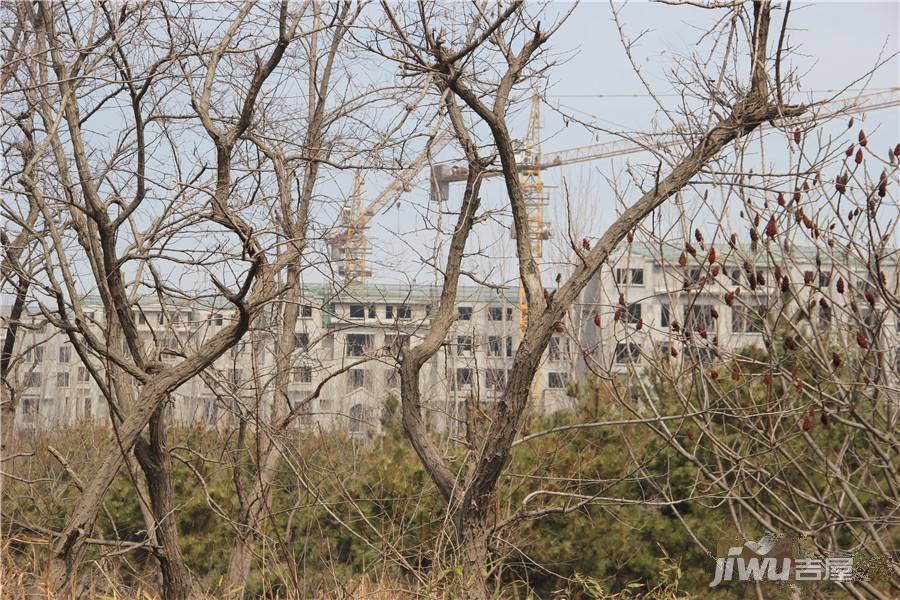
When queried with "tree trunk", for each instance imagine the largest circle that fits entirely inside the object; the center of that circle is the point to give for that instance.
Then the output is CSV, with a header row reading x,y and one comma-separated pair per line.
x,y
157,466
472,556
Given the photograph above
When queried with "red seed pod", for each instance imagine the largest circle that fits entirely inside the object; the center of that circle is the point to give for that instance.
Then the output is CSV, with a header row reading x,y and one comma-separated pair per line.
x,y
835,359
711,257
597,319
859,156
732,241
702,331
849,151
630,237
714,271
675,326
756,220
866,379
771,227
682,260
841,186
713,374
690,434
785,284
897,150
805,186
621,298
870,297
753,235
862,341
823,303
862,138
690,250
824,419
546,295
618,315
851,407
797,136
778,272
880,355
735,374
882,277
767,378
559,328
585,244
714,313
780,199
807,222
639,325
840,285
558,278
698,236
807,423
729,298
807,277
760,278
790,343
796,195
673,351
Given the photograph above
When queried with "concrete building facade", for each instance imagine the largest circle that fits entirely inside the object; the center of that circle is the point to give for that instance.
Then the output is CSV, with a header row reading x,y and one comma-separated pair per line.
x,y
649,300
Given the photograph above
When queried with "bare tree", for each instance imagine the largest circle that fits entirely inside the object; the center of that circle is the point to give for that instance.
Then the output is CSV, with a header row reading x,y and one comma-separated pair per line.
x,y
453,57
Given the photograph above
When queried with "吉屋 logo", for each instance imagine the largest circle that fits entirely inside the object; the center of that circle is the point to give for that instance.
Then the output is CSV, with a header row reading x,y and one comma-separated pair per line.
x,y
776,558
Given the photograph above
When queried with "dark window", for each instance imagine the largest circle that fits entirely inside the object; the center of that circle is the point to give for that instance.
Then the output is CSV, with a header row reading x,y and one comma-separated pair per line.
x,y
142,318
404,312
465,313
509,314
557,381
356,378
695,273
160,318
62,379
558,348
734,275
495,313
508,346
664,315
218,320
302,375
34,379
626,353
824,279
495,379
301,340
696,315
825,315
38,354
389,312
495,345
747,319
358,344
357,311
463,378
464,345
83,374
629,276
372,313
306,312
633,314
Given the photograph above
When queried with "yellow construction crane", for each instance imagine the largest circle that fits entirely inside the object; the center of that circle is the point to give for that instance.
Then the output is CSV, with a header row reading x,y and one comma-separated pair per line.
x,y
349,247
443,175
